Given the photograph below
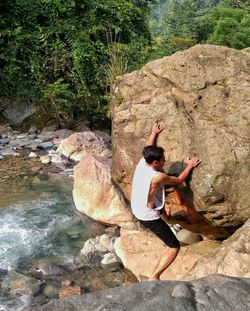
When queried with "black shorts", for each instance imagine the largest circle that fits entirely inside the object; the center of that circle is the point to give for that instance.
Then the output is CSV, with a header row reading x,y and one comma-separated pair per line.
x,y
162,230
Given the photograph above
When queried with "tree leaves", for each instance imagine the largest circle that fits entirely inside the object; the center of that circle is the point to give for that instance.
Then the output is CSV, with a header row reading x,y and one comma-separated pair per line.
x,y
55,52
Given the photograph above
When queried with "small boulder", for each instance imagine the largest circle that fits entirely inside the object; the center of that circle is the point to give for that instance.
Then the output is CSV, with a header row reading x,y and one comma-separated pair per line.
x,y
188,237
109,258
69,291
32,155
45,159
45,145
51,291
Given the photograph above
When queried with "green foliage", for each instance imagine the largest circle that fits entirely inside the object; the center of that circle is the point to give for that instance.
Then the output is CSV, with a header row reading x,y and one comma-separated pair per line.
x,y
241,4
180,24
232,28
61,97
118,62
56,53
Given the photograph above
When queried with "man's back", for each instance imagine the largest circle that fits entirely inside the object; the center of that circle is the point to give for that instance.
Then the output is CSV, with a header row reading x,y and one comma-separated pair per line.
x,y
142,191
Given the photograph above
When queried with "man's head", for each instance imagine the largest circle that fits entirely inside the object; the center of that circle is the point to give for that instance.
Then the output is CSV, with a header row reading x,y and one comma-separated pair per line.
x,y
154,156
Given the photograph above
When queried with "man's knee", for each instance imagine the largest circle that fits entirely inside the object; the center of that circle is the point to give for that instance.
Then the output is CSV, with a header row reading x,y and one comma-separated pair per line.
x,y
175,250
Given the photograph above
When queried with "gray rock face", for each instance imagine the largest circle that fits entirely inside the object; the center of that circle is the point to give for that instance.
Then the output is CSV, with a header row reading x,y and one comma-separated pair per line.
x,y
201,98
15,111
216,293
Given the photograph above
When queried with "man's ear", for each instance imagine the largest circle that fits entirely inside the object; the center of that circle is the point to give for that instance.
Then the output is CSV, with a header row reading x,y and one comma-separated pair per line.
x,y
155,162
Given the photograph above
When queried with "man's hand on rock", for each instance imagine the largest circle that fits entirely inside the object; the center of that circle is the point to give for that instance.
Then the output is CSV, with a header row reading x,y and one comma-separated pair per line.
x,y
193,162
156,129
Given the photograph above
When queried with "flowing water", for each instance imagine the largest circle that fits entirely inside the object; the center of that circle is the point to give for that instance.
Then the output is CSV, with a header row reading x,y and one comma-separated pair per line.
x,y
39,223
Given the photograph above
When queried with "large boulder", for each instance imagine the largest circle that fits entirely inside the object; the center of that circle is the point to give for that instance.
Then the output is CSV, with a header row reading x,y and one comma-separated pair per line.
x,y
201,98
140,250
216,292
95,194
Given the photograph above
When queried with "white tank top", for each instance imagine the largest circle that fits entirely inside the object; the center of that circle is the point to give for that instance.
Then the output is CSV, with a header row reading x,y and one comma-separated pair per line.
x,y
140,189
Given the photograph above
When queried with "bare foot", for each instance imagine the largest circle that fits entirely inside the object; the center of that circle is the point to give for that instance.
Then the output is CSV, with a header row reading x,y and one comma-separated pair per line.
x,y
153,278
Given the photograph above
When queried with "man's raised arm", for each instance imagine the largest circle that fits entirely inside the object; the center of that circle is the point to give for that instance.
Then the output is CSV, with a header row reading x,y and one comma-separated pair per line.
x,y
155,132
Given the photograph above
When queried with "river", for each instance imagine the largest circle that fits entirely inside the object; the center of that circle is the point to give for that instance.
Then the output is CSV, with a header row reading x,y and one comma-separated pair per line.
x,y
39,224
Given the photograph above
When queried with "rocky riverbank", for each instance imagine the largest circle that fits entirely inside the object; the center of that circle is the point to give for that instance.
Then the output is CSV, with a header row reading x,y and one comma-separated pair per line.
x,y
22,167
216,292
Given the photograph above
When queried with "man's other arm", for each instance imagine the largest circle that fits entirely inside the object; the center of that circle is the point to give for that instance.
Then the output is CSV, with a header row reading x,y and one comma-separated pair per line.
x,y
165,179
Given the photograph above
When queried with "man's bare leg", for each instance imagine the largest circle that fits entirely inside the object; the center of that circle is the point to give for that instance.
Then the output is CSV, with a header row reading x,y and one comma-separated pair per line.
x,y
166,259
166,215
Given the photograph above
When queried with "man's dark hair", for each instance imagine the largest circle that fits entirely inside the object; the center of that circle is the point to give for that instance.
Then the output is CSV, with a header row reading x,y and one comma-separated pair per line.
x,y
152,153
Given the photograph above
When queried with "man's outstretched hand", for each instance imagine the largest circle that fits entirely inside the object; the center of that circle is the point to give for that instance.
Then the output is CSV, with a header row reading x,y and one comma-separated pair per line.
x,y
156,129
193,162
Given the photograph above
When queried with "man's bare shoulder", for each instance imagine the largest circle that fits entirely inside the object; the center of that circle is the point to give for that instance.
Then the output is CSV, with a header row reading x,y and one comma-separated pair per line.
x,y
163,178
159,177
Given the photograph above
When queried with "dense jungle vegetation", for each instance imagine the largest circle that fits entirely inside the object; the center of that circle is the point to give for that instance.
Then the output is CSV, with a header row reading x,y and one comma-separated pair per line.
x,y
64,54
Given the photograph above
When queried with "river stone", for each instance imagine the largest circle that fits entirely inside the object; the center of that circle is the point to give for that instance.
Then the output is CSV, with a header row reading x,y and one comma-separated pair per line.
x,y
32,155
45,159
216,292
109,258
63,133
51,291
32,136
69,291
20,142
4,129
45,145
103,243
22,136
38,140
4,141
47,270
66,283
9,152
32,130
201,98
21,284
46,136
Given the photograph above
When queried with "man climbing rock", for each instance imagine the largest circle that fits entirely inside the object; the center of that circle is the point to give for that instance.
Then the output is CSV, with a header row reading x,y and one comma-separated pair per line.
x,y
148,197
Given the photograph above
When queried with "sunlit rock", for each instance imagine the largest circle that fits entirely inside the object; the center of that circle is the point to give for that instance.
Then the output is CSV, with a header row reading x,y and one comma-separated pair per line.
x,y
140,250
201,98
79,145
95,195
